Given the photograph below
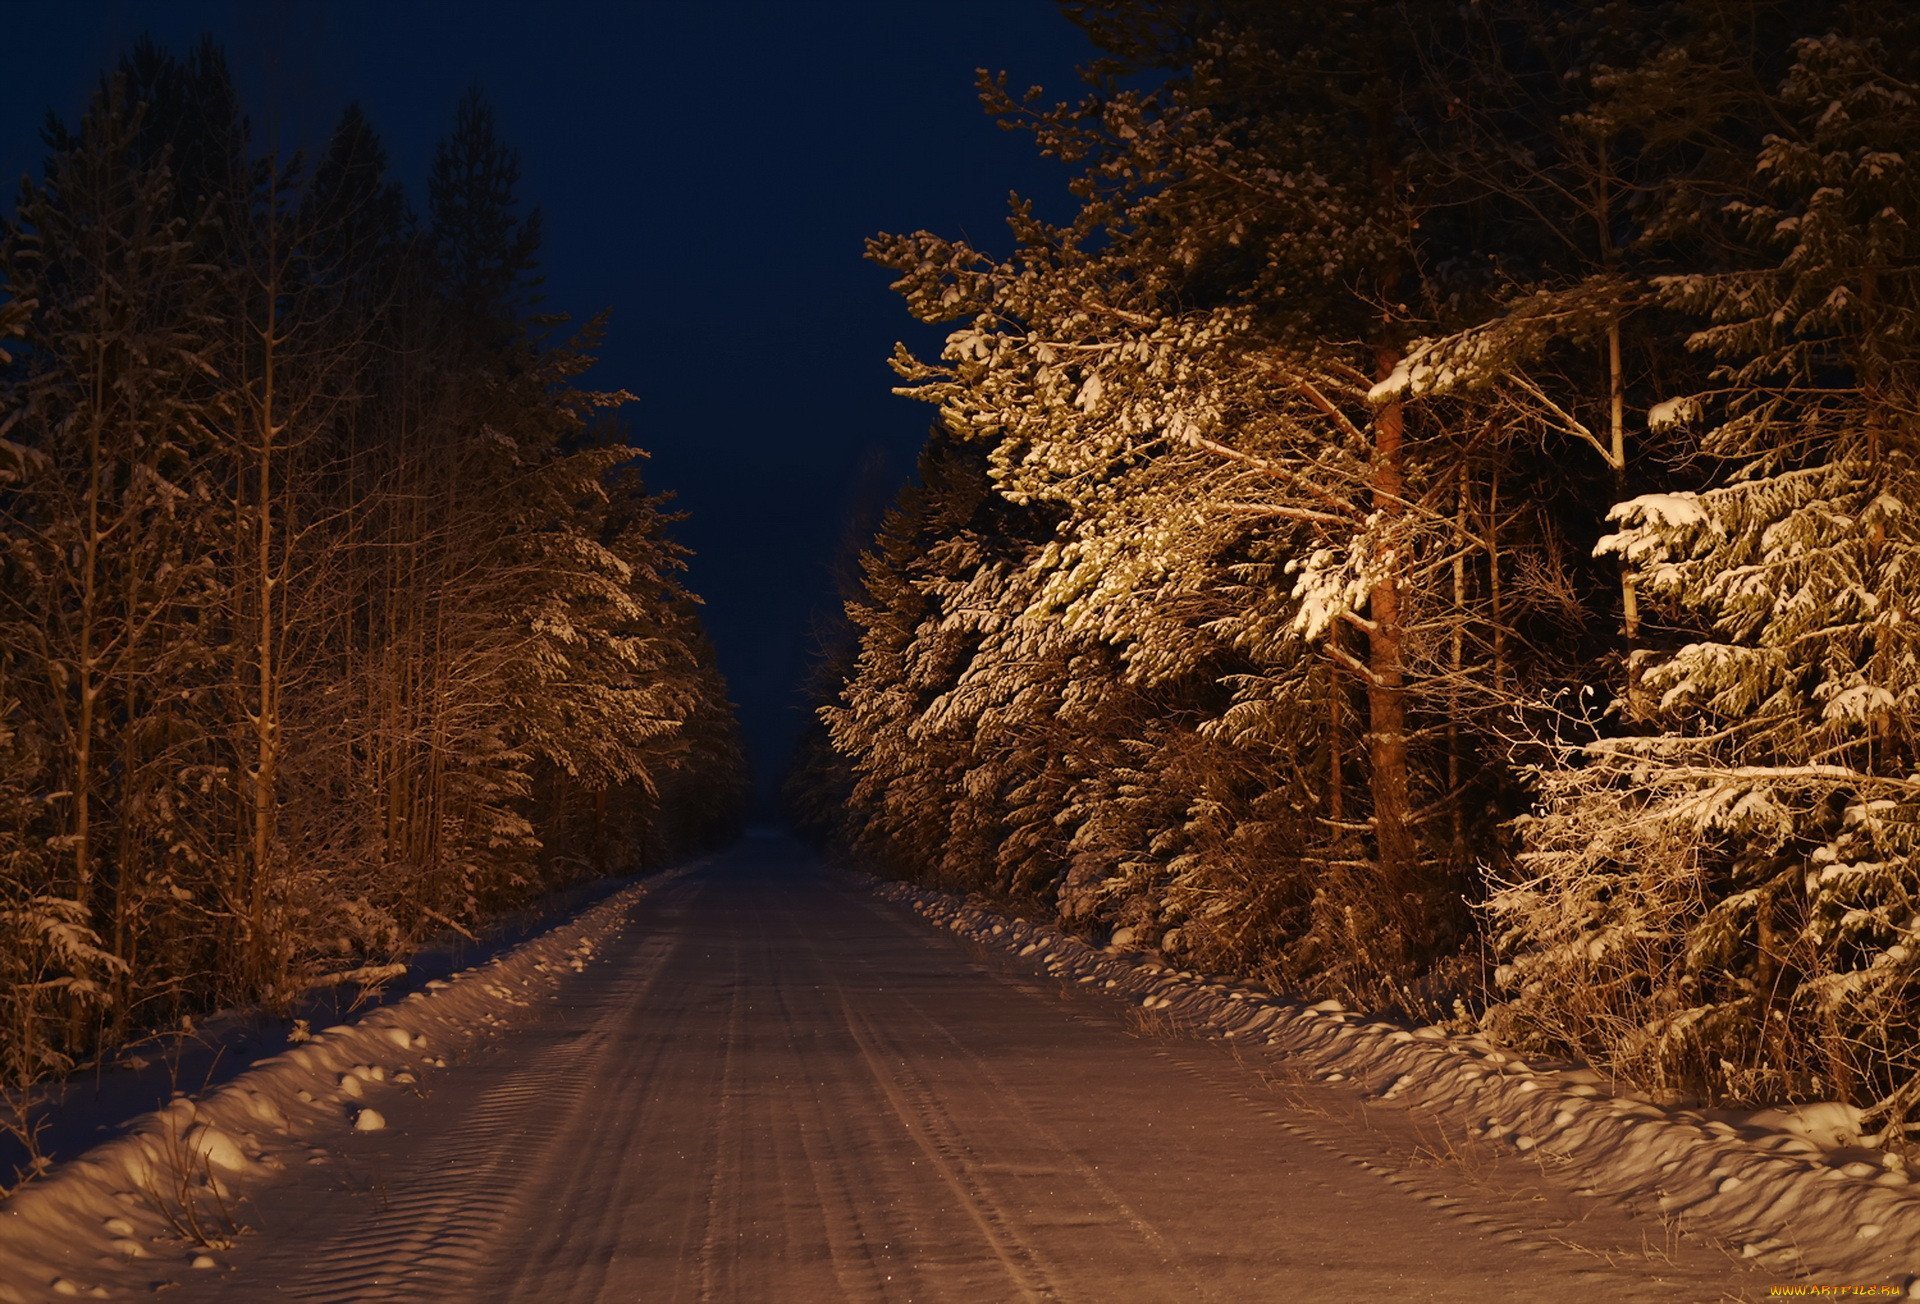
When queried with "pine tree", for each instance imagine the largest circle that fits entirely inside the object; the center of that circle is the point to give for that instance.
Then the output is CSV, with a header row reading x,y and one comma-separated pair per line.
x,y
1180,377
1733,887
108,546
333,610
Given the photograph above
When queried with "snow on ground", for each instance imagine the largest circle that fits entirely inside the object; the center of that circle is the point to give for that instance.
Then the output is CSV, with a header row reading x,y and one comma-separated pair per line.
x,y
761,1082
75,1113
169,1187
779,1087
1790,1189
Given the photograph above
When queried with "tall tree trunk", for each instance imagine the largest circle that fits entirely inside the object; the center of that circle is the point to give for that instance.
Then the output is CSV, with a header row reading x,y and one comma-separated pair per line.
x,y
265,708
1617,456
1602,191
1386,684
1456,755
1336,741
1496,603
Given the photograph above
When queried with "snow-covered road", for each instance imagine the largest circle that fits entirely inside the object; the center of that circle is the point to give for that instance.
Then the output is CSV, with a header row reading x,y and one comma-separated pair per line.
x,y
775,1086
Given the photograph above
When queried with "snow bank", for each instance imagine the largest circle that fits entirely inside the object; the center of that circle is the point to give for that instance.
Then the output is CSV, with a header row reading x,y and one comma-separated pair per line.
x,y
1790,1188
172,1180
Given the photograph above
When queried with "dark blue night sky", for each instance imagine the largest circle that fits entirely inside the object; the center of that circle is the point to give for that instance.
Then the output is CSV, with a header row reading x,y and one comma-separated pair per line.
x,y
706,170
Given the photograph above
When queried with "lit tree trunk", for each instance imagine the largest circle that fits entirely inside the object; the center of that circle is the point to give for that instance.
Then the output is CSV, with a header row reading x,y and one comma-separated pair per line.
x,y
1617,455
93,666
1602,192
86,667
125,851
265,712
1386,682
600,828
1496,607
1456,758
1336,740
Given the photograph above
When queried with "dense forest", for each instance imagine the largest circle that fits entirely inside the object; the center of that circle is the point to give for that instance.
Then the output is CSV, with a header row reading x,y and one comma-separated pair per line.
x,y
1435,525
334,608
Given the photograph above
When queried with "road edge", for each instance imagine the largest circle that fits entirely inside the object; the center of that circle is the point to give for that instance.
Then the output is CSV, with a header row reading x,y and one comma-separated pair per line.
x,y
83,1228
1769,1190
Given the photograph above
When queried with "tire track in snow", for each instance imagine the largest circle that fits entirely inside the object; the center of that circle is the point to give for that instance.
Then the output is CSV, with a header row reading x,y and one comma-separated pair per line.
x,y
933,1131
821,1097
435,1229
721,1226
580,1203
1517,1213
573,1161
871,1203
1570,1248
803,1102
688,1142
1503,1229
1010,1108
856,1270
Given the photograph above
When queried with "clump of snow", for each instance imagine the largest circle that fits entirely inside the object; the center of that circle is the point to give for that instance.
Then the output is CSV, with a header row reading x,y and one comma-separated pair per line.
x,y
207,1147
1673,414
1828,1125
1661,511
1655,527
